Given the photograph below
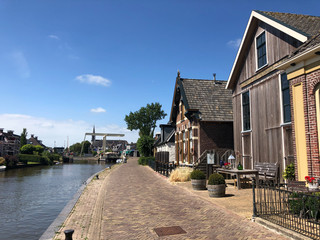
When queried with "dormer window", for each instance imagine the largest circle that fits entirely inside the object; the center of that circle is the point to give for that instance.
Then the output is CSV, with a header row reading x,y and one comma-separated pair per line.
x,y
261,50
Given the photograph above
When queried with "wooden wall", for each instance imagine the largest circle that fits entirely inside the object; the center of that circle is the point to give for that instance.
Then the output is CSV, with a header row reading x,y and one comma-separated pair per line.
x,y
269,139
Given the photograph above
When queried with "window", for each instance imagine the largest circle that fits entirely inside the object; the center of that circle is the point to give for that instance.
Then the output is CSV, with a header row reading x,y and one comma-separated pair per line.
x,y
285,98
246,111
261,50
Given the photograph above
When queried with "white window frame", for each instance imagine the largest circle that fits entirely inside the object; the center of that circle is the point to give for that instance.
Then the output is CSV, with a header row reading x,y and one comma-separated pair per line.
x,y
256,50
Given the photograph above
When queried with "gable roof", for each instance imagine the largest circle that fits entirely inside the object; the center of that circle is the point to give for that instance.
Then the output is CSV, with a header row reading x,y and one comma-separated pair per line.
x,y
208,99
298,26
309,49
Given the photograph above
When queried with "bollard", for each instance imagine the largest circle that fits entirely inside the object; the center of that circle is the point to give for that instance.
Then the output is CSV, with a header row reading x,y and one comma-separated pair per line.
x,y
68,234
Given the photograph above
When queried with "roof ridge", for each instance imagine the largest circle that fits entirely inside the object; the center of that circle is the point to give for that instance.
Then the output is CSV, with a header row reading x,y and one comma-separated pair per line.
x,y
296,14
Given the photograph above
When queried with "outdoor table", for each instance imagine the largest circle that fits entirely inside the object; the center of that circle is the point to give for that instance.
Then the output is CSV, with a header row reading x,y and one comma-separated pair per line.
x,y
238,173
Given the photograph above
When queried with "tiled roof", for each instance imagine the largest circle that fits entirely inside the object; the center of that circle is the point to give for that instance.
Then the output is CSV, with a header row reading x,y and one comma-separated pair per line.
x,y
314,41
305,24
210,97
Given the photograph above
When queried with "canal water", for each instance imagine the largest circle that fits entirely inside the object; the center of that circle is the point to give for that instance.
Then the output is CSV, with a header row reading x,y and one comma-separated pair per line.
x,y
31,198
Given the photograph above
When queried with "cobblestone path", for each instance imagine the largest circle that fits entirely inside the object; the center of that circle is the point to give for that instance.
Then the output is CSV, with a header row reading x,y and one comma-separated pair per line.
x,y
133,200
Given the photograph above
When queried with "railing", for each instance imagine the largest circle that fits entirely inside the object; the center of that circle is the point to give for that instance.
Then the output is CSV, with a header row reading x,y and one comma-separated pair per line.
x,y
162,164
297,211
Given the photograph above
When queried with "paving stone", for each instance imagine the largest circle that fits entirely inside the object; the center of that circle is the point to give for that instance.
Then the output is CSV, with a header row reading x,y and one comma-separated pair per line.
x,y
130,201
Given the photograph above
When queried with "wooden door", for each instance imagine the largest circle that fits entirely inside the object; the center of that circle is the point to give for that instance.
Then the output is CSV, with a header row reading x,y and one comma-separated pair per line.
x,y
300,133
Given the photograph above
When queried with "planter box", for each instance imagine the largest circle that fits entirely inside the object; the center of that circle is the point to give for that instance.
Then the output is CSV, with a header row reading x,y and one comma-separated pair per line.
x,y
217,190
199,184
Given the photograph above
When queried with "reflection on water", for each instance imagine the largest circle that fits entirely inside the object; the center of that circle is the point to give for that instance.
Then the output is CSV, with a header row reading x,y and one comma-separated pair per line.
x,y
31,198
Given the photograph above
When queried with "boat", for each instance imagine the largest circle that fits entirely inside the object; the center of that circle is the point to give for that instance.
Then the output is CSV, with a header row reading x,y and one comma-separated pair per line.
x,y
2,168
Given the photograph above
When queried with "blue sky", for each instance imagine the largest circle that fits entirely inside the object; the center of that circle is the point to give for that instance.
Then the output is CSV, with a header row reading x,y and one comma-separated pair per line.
x,y
67,65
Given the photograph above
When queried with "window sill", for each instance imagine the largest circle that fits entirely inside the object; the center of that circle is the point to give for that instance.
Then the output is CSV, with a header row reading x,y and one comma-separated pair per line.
x,y
246,132
261,68
285,124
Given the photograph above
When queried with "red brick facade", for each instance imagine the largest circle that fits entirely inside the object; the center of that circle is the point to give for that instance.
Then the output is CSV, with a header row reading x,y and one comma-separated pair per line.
x,y
309,82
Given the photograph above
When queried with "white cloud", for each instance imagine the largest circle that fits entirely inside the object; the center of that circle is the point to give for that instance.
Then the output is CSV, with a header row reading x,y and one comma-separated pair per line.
x,y
21,64
50,131
93,79
98,110
234,43
55,37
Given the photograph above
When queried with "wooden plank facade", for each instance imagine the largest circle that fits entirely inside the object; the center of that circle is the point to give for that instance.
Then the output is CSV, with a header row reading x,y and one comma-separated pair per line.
x,y
267,134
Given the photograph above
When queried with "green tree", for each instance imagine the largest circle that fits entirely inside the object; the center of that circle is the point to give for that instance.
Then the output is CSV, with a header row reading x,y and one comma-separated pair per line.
x,y
23,138
145,145
75,148
145,119
39,149
86,146
27,149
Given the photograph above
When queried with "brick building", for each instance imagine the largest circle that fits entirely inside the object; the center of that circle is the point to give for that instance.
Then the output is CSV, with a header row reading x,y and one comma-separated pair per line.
x,y
303,73
9,143
201,113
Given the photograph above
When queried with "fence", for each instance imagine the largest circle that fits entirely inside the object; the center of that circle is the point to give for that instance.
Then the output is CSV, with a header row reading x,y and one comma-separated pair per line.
x,y
296,211
162,164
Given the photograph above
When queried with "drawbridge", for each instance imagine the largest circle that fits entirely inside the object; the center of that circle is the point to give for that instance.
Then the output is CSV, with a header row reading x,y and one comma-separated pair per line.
x,y
104,135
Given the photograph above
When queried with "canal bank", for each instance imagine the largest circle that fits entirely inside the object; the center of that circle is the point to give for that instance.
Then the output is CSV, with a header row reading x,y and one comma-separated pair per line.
x,y
132,201
58,222
31,198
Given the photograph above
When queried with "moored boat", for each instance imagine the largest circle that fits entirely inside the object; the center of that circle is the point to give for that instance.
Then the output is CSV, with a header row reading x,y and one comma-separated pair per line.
x,y
2,168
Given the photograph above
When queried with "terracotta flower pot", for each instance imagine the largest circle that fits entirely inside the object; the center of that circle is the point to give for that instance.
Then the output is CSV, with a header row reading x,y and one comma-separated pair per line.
x,y
217,190
199,184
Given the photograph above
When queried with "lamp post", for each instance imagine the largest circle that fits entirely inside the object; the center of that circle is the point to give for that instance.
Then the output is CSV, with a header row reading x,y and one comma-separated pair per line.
x,y
232,159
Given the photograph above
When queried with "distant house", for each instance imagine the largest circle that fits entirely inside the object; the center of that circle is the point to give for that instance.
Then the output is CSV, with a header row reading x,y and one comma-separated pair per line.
x,y
9,143
201,113
261,95
165,141
33,140
303,72
58,150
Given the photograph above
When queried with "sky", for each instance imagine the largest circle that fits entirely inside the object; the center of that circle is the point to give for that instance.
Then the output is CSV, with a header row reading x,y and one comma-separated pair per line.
x,y
67,65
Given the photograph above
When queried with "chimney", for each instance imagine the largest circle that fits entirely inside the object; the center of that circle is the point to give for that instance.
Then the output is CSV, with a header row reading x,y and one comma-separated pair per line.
x,y
1,130
10,132
214,78
32,135
36,138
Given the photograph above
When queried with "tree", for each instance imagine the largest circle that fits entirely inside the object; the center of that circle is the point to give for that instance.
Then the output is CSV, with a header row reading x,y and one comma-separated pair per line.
x,y
145,119
86,146
27,149
144,145
23,138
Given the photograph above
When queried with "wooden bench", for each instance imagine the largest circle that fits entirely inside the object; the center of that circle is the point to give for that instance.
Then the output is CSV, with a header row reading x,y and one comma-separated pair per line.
x,y
268,172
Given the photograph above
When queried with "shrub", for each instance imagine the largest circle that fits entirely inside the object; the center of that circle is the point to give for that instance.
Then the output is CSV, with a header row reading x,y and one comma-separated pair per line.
x,y
289,172
145,160
181,174
25,158
45,160
27,149
2,161
197,174
11,160
216,179
145,145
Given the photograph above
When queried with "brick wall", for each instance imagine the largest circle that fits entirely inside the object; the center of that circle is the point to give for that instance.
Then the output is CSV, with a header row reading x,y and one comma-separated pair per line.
x,y
216,135
309,82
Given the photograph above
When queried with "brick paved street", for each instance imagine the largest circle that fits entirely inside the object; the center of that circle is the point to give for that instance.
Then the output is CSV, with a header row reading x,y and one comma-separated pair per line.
x,y
132,200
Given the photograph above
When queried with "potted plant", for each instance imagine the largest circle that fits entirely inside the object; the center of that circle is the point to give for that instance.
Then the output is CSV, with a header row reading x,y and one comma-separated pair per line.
x,y
216,185
198,180
312,183
289,172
